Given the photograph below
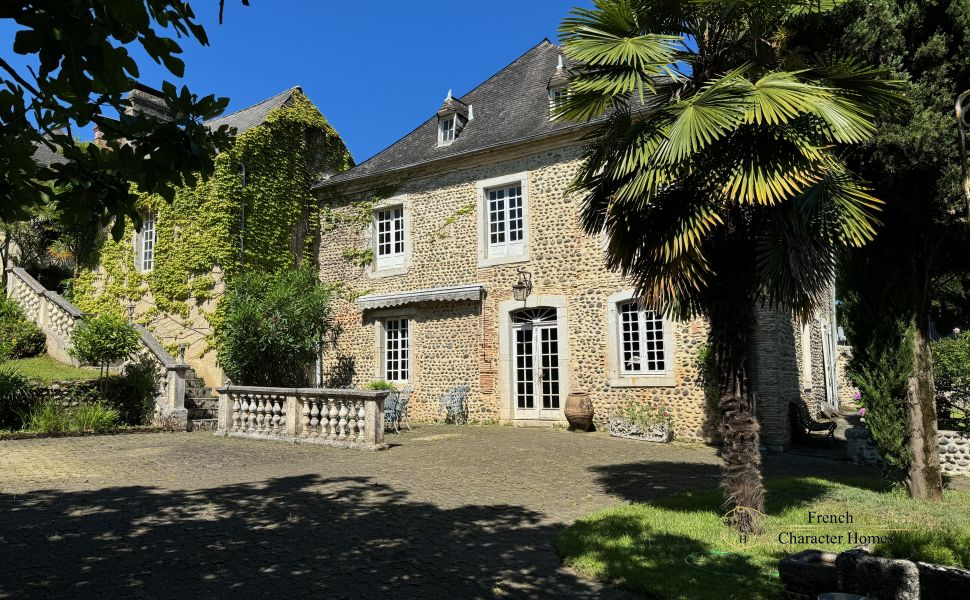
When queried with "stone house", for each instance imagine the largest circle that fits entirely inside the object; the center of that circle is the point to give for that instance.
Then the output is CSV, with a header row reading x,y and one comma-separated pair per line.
x,y
255,211
430,235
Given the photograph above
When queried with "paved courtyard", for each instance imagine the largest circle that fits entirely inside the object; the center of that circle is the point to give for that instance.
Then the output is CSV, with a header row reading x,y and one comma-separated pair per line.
x,y
446,512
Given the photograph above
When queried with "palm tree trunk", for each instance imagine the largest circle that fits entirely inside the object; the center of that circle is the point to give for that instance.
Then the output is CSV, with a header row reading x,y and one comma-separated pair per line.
x,y
925,476
731,336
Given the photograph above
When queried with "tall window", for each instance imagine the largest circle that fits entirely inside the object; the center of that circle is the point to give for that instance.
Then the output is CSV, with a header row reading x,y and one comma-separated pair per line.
x,y
146,243
506,223
641,338
389,226
446,130
397,349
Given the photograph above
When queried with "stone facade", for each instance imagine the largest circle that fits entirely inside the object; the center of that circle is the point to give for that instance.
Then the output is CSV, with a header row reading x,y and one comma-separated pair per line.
x,y
454,343
468,342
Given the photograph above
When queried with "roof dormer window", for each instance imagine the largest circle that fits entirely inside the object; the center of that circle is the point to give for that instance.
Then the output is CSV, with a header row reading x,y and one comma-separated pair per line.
x,y
446,130
452,116
558,88
557,97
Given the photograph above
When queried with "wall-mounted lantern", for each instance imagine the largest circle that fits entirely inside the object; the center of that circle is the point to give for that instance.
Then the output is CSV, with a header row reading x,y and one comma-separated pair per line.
x,y
130,307
523,287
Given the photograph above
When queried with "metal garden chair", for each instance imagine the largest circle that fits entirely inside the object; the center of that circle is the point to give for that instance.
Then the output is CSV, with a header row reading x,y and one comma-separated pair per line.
x,y
391,415
403,400
455,405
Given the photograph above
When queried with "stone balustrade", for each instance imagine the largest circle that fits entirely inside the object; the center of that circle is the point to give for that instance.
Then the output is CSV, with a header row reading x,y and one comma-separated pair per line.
x,y
57,318
48,310
333,417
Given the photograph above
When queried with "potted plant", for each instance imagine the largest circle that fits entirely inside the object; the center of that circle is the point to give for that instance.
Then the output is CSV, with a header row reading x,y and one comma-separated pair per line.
x,y
642,422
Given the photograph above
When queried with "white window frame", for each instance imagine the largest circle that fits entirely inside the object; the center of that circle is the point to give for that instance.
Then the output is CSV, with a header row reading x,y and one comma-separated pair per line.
x,y
619,375
398,262
141,256
557,95
382,338
507,251
453,130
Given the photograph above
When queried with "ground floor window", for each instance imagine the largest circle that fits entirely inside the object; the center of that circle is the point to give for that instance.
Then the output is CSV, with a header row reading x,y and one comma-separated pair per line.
x,y
641,337
396,349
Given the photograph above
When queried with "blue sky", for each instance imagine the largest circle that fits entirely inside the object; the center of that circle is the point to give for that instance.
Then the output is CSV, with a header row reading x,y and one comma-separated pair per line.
x,y
376,69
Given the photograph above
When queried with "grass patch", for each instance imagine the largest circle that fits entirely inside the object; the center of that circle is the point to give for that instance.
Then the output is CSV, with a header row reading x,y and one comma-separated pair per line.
x,y
45,369
52,418
672,548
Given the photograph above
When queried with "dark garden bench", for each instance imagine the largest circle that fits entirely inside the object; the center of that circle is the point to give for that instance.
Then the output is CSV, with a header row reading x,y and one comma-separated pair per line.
x,y
806,424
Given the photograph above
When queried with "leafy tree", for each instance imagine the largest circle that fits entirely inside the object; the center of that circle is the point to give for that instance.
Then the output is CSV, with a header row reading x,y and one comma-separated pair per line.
x,y
717,175
269,325
915,271
83,71
103,340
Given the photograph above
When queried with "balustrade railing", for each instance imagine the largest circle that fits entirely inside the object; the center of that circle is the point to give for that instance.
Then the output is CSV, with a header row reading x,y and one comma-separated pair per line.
x,y
336,417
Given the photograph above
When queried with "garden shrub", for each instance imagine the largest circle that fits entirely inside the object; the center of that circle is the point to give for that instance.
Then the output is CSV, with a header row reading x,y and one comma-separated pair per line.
x,y
102,340
951,374
22,339
132,393
268,327
19,338
380,385
16,393
882,381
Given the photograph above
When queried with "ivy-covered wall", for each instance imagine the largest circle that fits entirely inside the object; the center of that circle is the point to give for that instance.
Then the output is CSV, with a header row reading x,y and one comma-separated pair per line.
x,y
201,233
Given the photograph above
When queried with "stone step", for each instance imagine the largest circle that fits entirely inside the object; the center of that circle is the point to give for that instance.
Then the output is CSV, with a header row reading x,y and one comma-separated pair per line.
x,y
207,402
203,413
202,425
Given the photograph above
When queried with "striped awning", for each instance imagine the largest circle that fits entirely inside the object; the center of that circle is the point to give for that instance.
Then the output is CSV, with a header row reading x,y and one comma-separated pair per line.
x,y
455,293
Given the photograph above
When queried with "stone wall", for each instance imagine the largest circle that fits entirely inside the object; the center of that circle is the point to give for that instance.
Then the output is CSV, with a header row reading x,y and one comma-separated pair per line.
x,y
954,453
954,450
459,342
847,389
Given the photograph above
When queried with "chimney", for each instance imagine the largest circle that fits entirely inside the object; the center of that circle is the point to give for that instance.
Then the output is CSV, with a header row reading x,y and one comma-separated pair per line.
x,y
143,100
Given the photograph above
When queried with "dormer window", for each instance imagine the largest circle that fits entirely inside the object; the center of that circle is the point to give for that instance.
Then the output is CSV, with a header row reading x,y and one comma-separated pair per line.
x,y
557,97
557,87
446,130
452,116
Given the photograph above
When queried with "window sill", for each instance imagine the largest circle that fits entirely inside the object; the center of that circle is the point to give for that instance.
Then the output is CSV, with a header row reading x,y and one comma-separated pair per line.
x,y
388,272
502,260
631,381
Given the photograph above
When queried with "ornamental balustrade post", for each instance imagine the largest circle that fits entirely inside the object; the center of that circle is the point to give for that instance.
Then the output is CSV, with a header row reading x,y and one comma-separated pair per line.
x,y
374,420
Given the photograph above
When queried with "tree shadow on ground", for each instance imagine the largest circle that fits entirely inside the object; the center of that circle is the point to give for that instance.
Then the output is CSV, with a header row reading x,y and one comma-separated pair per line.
x,y
656,481
625,549
305,536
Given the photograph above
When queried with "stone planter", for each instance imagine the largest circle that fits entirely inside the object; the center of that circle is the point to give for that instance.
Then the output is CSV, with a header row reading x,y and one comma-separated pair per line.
x,y
624,428
579,411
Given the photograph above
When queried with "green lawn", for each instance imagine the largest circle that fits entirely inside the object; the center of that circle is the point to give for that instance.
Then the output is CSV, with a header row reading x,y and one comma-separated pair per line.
x,y
45,369
673,549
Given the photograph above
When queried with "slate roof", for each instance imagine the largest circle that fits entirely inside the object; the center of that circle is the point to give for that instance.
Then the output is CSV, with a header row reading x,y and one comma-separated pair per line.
x,y
45,157
254,115
511,106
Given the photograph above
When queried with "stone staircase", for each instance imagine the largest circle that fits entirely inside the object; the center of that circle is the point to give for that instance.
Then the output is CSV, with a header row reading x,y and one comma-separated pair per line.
x,y
202,405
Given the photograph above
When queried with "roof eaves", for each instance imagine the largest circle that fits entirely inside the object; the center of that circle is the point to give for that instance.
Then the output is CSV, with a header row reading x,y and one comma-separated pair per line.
x,y
337,180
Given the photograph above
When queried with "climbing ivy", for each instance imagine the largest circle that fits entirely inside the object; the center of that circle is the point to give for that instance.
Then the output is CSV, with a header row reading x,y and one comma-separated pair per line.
x,y
201,233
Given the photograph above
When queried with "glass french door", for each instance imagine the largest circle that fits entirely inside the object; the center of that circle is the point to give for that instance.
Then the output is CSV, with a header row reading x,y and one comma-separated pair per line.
x,y
536,383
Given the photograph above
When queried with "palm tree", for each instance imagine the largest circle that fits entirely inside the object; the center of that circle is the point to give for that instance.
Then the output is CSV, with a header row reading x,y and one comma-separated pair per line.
x,y
716,172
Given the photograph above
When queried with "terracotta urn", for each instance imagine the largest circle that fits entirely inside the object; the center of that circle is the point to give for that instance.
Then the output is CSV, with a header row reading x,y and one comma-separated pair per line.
x,y
579,410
